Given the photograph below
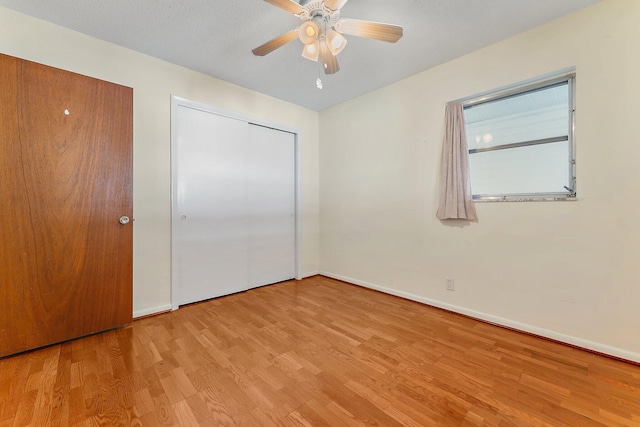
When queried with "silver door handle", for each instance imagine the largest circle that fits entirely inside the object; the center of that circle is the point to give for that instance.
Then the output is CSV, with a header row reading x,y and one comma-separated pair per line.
x,y
124,220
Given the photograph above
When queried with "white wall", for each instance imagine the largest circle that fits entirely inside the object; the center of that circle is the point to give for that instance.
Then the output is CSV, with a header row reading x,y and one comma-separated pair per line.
x,y
567,270
153,82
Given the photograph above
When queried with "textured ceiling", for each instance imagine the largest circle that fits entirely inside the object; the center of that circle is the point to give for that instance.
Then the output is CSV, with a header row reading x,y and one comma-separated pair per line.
x,y
216,37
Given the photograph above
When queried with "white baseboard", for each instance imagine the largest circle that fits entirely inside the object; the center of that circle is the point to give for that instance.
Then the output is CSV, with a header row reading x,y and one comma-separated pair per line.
x,y
557,336
151,310
308,274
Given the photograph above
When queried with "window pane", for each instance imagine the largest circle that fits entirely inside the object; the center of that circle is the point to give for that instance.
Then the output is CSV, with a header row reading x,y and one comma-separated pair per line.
x,y
530,116
542,168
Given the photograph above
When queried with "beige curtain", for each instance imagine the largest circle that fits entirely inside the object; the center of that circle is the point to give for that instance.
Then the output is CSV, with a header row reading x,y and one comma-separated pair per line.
x,y
455,189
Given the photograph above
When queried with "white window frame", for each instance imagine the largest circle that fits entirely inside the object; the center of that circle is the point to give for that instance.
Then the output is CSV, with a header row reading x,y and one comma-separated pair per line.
x,y
539,84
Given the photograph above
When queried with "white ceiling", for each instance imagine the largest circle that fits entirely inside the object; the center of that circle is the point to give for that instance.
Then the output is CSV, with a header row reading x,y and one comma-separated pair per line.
x,y
216,37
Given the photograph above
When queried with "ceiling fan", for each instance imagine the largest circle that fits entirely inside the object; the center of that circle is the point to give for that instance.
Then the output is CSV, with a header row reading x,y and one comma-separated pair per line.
x,y
322,28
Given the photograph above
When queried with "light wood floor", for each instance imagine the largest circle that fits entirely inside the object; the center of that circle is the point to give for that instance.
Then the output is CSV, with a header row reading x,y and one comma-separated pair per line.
x,y
311,353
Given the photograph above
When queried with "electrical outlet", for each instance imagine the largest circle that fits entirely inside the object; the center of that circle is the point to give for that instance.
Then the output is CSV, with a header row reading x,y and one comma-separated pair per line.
x,y
450,285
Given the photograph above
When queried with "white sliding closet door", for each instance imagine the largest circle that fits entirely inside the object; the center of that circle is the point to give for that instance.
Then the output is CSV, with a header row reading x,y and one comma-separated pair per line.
x,y
233,225
271,197
210,242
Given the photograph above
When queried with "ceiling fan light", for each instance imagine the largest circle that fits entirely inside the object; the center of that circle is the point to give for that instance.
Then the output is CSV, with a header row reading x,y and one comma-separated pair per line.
x,y
311,51
335,41
308,32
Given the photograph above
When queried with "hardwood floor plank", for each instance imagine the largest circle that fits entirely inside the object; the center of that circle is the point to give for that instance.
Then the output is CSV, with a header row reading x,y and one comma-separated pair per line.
x,y
316,352
24,411
213,403
295,419
184,414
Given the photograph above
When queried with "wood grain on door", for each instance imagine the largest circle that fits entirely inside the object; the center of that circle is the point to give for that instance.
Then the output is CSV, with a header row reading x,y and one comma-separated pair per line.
x,y
66,144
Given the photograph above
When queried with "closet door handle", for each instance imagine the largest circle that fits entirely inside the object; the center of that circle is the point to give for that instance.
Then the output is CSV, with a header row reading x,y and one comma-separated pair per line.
x,y
124,220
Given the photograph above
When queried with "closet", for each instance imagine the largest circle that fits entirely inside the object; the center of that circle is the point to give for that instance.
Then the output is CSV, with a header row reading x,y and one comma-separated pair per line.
x,y
233,208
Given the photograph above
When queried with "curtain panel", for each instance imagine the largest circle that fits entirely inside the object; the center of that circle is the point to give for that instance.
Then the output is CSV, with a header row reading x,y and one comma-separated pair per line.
x,y
456,200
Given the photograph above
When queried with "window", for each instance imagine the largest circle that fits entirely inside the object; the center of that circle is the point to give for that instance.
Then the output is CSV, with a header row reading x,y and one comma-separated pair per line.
x,y
521,142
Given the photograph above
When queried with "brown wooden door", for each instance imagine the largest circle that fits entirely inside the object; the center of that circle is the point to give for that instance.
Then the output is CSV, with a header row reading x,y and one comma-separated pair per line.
x,y
65,180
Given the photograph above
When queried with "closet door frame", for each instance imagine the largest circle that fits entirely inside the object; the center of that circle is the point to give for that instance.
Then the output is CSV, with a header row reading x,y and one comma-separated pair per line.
x,y
178,102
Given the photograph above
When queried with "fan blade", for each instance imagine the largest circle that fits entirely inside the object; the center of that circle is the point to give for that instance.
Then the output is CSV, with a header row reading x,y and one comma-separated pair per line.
x,y
329,60
335,4
272,45
288,5
370,30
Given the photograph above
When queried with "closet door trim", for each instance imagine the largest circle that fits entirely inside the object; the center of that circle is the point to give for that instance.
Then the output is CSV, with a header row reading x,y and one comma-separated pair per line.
x,y
178,102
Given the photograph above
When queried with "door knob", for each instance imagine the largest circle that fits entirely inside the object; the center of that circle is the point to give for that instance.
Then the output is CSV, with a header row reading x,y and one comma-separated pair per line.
x,y
124,220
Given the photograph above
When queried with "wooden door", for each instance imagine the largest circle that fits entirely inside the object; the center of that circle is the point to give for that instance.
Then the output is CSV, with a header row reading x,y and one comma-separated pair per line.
x,y
65,180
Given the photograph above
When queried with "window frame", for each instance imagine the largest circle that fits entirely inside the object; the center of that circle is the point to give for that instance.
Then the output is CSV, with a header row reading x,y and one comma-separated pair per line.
x,y
540,84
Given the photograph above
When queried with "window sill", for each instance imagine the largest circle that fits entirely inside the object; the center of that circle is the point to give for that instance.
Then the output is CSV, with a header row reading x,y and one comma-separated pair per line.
x,y
495,199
